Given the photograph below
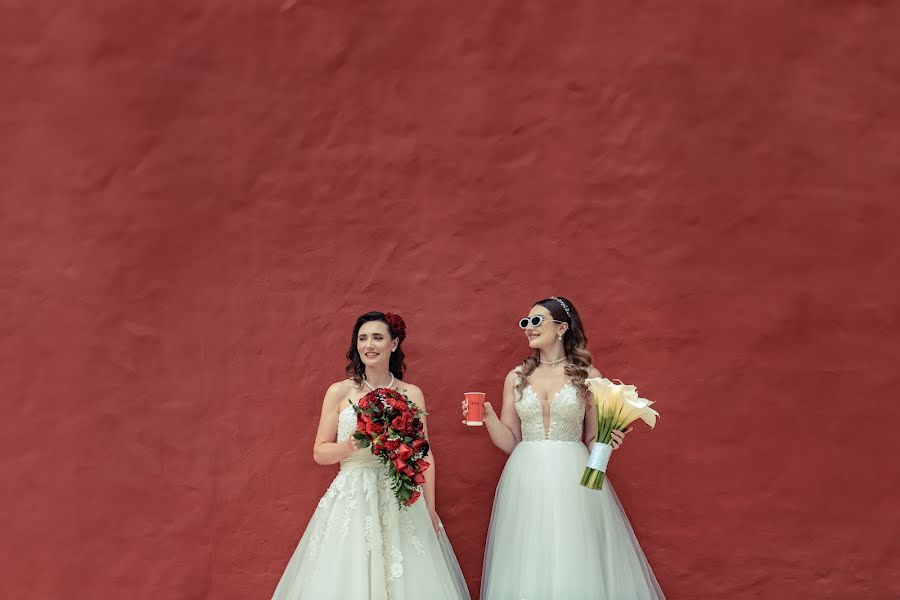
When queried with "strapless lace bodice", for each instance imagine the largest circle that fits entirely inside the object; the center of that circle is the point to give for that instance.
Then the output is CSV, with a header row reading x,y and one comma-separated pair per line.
x,y
566,416
362,458
346,423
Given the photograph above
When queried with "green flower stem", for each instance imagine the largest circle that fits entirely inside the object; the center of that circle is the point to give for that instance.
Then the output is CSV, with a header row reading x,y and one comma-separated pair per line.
x,y
593,479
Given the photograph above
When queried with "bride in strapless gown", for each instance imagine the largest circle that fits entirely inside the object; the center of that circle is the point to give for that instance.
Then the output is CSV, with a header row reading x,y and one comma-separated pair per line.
x,y
359,544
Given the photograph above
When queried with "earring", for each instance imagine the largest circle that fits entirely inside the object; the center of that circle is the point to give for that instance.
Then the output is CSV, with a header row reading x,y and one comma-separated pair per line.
x,y
560,337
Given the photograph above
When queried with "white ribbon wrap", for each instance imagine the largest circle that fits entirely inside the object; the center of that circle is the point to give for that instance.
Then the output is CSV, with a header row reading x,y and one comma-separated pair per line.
x,y
599,457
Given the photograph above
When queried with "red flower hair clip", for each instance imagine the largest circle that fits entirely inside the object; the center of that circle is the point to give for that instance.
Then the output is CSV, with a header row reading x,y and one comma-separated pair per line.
x,y
398,326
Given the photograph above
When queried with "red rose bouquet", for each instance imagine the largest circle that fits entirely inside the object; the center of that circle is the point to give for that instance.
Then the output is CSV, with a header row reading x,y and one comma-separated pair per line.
x,y
389,423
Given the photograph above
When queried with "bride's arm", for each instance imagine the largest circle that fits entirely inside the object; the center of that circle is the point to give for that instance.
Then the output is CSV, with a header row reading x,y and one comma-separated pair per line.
x,y
326,451
505,430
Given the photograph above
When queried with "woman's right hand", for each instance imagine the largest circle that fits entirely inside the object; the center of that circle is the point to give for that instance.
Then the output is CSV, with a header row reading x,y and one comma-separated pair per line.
x,y
350,446
489,413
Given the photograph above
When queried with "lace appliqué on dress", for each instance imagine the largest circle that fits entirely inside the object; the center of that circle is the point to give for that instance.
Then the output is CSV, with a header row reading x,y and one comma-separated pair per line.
x,y
566,416
354,489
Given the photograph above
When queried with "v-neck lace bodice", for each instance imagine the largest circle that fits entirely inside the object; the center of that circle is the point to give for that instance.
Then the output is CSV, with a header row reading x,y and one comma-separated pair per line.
x,y
566,416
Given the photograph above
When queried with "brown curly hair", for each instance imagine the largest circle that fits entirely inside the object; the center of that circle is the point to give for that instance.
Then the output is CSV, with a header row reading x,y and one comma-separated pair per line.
x,y
574,345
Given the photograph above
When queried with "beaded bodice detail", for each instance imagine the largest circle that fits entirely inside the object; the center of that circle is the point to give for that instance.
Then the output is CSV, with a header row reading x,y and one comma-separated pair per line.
x,y
566,416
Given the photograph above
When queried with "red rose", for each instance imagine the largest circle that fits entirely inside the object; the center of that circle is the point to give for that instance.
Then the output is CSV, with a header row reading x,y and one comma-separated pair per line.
x,y
418,444
397,325
413,498
365,402
398,423
422,465
399,464
395,400
404,452
408,471
418,479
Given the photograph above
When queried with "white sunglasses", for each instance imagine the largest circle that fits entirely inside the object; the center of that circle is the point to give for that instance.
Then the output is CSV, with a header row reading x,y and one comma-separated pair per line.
x,y
535,321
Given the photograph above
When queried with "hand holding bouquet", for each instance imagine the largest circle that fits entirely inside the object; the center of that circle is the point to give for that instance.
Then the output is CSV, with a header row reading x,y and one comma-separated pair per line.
x,y
391,425
617,406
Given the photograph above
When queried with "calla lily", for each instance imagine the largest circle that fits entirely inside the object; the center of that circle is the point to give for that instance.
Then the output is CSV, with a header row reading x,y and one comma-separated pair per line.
x,y
632,410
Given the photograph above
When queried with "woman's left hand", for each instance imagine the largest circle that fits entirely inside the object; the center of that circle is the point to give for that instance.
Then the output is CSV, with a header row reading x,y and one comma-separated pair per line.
x,y
435,522
618,437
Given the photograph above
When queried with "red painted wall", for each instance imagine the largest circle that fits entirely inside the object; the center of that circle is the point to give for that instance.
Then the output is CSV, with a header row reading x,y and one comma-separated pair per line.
x,y
199,197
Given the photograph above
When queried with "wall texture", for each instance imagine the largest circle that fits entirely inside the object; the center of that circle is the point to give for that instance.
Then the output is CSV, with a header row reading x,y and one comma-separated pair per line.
x,y
199,197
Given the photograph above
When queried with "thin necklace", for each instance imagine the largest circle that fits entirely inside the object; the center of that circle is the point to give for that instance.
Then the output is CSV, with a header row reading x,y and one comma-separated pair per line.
x,y
553,362
369,385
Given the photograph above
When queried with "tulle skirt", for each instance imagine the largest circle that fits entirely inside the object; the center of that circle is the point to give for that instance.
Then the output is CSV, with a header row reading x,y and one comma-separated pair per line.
x,y
552,539
359,545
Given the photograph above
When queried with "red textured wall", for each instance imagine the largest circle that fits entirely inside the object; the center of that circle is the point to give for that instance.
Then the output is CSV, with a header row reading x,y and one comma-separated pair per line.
x,y
199,197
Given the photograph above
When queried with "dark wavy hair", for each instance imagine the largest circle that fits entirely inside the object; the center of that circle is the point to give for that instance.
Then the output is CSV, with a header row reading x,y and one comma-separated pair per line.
x,y
574,344
355,368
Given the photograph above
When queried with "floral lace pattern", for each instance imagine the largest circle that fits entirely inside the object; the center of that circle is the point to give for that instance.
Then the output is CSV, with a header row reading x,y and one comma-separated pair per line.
x,y
364,485
357,527
346,423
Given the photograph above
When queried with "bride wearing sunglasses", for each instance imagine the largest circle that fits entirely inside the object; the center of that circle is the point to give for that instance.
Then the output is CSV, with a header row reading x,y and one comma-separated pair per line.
x,y
550,538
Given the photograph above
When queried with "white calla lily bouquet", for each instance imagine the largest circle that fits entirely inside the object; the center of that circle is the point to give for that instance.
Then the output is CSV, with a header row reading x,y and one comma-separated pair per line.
x,y
617,406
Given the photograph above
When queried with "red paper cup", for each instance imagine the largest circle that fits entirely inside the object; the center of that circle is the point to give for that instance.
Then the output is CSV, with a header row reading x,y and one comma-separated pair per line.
x,y
475,403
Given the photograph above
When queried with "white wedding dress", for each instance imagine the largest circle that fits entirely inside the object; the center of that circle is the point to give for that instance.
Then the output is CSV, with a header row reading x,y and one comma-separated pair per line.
x,y
359,545
550,538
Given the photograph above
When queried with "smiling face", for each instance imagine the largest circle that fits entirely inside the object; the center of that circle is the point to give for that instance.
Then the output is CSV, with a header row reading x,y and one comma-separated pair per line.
x,y
374,344
545,335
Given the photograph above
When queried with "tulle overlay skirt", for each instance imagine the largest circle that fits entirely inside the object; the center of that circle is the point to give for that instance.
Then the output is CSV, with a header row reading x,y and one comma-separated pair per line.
x,y
359,545
552,539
